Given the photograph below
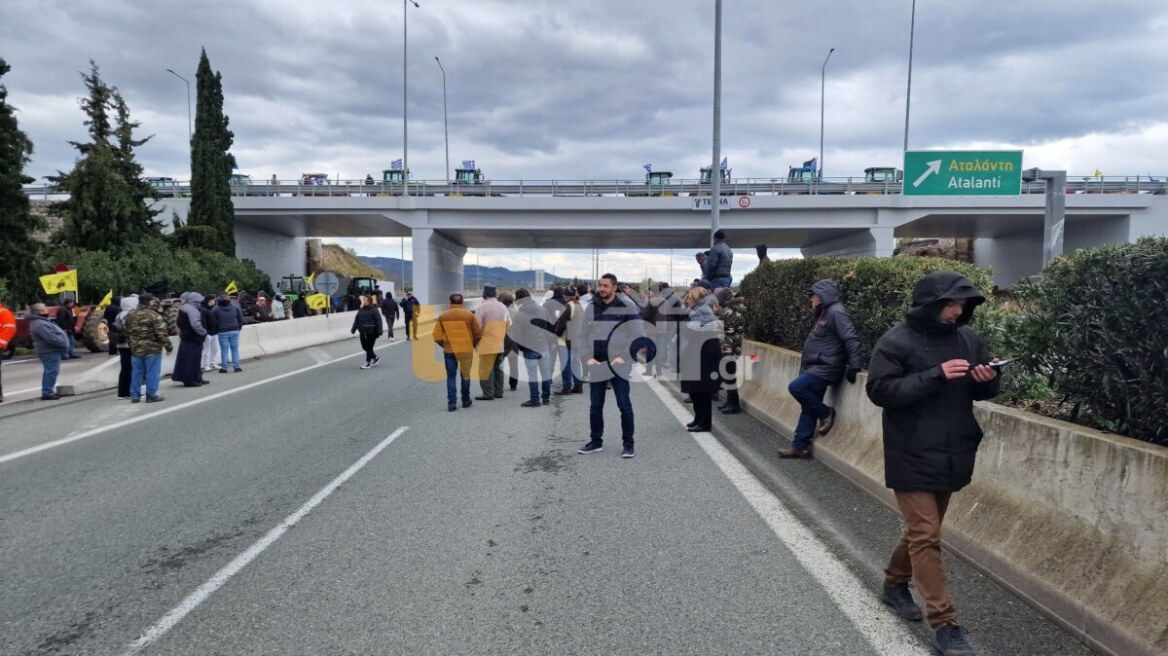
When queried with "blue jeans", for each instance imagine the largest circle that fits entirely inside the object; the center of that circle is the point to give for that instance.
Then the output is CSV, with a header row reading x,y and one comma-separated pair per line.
x,y
620,390
567,376
52,364
808,390
229,342
454,363
149,366
539,374
718,283
72,343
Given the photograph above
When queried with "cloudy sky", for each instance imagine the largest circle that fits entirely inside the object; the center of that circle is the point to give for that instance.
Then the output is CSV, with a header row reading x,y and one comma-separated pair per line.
x,y
593,89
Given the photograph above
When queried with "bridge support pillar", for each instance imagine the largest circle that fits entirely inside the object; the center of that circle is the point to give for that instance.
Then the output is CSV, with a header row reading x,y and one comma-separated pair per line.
x,y
873,242
437,266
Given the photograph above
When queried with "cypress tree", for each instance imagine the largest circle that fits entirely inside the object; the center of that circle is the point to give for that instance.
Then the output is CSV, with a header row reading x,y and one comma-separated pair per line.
x,y
18,248
211,165
105,209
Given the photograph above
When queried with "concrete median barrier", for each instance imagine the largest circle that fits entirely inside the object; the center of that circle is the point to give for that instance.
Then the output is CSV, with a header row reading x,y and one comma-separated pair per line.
x,y
1073,520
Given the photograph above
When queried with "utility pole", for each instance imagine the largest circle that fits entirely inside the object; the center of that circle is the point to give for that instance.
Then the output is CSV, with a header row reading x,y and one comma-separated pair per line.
x,y
716,171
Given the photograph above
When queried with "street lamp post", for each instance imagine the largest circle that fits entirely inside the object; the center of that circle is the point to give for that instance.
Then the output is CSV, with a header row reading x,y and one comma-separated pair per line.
x,y
822,86
405,87
912,26
190,132
445,125
716,189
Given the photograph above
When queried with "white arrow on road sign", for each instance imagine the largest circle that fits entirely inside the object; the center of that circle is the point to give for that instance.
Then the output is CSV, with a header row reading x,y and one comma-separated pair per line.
x,y
934,167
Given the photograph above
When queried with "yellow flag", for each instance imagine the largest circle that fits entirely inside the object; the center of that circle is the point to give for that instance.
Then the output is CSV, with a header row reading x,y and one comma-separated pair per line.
x,y
1098,173
55,283
231,288
311,280
106,300
317,301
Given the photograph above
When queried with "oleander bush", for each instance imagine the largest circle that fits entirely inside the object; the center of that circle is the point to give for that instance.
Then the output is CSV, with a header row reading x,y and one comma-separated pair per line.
x,y
1095,327
1090,331
876,290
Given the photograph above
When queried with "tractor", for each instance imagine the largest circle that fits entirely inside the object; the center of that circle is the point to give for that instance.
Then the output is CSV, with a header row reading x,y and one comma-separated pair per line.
x,y
883,174
293,287
809,172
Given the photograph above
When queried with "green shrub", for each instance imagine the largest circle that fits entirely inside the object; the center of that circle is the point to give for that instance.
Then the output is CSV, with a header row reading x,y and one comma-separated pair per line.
x,y
154,259
876,291
1096,328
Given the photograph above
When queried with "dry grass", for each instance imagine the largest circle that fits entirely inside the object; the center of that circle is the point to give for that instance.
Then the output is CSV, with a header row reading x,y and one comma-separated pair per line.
x,y
335,258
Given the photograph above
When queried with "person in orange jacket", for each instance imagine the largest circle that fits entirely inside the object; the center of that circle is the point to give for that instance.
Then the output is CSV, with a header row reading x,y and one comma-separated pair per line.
x,y
7,332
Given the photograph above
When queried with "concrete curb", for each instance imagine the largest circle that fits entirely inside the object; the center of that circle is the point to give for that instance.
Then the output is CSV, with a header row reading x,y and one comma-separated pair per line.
x,y
1070,519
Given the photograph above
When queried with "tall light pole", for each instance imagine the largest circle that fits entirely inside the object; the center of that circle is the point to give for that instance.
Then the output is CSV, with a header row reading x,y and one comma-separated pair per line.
x,y
405,87
445,125
912,26
190,132
716,170
822,86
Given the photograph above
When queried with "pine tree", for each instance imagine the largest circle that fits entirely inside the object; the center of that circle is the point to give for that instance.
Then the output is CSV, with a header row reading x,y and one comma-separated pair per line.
x,y
211,166
18,248
106,209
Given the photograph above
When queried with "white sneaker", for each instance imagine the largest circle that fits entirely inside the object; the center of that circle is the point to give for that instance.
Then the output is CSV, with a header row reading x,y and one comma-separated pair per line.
x,y
366,365
376,360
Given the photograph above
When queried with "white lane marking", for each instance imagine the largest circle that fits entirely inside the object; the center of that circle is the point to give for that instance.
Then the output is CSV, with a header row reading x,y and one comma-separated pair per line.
x,y
174,408
232,568
879,627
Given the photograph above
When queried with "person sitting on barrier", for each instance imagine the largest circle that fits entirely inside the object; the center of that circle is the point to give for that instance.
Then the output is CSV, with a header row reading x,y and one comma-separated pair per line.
x,y
926,372
830,353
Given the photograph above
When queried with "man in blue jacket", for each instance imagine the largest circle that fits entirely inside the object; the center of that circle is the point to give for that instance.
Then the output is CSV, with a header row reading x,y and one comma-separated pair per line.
x,y
51,344
830,353
718,262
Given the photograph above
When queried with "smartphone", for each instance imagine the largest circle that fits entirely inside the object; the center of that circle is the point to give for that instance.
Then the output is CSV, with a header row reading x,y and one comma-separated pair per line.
x,y
994,365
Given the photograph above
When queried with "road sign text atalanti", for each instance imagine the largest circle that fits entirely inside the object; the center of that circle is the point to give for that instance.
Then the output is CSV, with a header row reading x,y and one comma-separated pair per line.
x,y
963,172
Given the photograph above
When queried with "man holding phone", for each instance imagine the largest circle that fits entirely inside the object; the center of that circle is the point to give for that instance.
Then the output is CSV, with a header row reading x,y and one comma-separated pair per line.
x,y
926,372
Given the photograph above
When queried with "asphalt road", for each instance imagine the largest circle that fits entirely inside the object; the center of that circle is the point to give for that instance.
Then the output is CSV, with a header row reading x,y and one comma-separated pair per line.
x,y
305,506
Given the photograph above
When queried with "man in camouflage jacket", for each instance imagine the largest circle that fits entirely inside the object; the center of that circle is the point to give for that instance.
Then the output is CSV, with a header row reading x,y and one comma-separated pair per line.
x,y
733,317
148,336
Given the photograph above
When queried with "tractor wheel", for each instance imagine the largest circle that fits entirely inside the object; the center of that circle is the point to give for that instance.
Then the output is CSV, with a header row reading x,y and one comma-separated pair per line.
x,y
95,332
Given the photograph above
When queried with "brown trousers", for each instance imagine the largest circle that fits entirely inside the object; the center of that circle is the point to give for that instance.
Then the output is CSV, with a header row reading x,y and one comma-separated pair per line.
x,y
917,556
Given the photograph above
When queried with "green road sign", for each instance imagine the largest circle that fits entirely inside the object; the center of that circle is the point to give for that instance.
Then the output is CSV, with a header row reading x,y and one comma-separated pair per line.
x,y
962,173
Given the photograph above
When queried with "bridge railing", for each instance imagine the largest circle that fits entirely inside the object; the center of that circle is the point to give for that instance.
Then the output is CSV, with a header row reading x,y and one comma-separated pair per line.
x,y
613,188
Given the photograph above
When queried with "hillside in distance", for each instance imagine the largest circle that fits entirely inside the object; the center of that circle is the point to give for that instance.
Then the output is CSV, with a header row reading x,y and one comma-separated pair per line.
x,y
474,276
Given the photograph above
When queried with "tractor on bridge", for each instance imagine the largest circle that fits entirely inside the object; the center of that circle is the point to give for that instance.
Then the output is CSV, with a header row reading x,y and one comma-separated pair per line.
x,y
809,172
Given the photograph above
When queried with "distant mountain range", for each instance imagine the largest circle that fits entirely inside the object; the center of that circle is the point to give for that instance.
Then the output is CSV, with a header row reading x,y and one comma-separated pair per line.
x,y
473,276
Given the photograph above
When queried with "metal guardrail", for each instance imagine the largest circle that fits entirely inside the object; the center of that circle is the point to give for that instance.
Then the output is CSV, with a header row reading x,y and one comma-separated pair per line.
x,y
619,188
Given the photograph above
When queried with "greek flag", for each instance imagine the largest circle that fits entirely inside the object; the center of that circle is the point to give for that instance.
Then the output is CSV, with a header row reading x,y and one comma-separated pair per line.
x,y
724,164
649,167
468,164
396,164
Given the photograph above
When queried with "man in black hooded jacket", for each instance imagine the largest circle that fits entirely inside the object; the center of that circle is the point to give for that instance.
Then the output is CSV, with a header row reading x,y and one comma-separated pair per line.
x,y
926,372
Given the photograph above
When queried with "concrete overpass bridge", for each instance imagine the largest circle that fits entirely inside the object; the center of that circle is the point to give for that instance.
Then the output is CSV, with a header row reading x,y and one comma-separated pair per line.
x,y
841,217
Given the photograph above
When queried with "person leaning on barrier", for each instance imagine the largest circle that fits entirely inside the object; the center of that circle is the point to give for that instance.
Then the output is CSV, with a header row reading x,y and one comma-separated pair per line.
x,y
831,352
925,373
